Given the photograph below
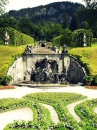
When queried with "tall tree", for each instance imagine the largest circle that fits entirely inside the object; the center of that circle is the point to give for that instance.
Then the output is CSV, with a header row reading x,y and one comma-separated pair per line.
x,y
2,6
25,26
65,20
74,25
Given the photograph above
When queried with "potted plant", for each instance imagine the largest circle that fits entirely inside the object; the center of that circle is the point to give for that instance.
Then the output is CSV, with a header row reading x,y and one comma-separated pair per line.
x,y
7,79
88,79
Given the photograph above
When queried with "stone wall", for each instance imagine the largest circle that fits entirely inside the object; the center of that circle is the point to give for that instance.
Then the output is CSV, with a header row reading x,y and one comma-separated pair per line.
x,y
75,71
21,69
17,70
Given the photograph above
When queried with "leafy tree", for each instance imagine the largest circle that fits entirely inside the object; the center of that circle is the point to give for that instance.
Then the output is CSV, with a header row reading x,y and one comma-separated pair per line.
x,y
25,26
54,29
2,6
89,15
91,4
85,25
13,23
4,22
63,39
8,22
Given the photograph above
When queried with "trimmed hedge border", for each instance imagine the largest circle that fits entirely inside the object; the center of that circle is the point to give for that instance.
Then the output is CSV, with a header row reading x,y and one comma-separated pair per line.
x,y
86,113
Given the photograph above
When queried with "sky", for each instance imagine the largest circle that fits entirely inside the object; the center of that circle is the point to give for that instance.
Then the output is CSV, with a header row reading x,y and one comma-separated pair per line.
x,y
19,4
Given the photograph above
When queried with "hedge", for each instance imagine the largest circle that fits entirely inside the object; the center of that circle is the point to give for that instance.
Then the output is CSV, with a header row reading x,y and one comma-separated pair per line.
x,y
16,38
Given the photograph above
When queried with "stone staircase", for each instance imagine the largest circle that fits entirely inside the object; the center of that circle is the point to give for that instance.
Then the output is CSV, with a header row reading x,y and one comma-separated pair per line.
x,y
43,50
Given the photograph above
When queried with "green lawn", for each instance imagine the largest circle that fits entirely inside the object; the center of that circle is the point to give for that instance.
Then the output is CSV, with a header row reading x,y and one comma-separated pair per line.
x,y
7,55
88,55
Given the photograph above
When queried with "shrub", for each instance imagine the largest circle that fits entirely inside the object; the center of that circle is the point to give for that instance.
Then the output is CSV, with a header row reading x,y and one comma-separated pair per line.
x,y
88,78
1,79
7,79
95,79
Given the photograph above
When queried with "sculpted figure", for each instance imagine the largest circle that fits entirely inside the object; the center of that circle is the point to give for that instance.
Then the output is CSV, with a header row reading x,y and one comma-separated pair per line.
x,y
6,38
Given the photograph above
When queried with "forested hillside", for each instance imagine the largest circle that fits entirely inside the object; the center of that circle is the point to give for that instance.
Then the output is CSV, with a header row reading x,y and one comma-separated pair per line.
x,y
53,12
49,20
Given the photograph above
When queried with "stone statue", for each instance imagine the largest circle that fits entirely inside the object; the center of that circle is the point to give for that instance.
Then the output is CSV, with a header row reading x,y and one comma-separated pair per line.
x,y
28,49
84,40
65,50
6,38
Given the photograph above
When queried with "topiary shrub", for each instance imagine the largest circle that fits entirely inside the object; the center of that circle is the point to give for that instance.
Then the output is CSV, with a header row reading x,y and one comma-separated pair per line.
x,y
78,37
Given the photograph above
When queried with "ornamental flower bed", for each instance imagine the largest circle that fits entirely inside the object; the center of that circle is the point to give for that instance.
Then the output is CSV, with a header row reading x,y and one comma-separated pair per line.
x,y
6,87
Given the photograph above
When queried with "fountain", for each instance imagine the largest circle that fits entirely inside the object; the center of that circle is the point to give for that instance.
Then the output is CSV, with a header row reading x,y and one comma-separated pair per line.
x,y
46,66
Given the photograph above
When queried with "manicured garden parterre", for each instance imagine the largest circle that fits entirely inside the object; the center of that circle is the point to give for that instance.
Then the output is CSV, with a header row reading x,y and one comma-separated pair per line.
x,y
42,118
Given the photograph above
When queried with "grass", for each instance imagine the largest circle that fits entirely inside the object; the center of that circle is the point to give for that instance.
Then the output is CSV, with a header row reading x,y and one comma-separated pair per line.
x,y
7,56
88,56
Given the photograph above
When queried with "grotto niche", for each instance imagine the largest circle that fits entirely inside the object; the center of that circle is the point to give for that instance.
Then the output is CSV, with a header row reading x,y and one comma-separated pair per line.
x,y
46,71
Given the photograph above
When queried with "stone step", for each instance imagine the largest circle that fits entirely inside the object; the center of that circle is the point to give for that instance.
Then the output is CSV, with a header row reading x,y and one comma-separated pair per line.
x,y
43,50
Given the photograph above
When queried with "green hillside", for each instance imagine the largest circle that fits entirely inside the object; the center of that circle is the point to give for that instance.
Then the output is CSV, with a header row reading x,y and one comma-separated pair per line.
x,y
88,55
7,56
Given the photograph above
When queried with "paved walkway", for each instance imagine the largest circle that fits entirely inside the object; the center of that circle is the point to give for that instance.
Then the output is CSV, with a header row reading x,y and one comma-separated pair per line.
x,y
24,113
54,115
21,91
70,108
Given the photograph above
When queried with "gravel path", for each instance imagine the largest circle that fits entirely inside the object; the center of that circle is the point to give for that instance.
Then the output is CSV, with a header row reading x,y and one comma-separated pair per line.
x,y
24,113
54,115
